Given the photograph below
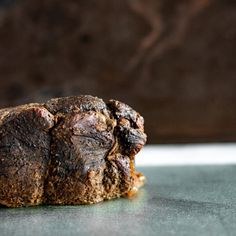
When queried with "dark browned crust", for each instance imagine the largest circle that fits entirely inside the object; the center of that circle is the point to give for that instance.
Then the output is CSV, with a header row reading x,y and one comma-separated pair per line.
x,y
73,150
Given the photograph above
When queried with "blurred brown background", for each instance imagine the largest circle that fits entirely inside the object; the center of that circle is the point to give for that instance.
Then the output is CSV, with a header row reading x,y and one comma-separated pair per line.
x,y
172,60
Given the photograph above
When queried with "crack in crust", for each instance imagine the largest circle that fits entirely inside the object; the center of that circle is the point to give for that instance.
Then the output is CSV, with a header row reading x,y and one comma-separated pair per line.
x,y
73,150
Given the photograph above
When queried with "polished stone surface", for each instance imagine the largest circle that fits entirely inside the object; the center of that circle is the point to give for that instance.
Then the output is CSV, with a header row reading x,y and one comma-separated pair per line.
x,y
190,200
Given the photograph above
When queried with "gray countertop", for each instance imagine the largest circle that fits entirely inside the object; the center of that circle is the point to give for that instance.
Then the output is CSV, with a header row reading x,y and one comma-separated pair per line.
x,y
190,200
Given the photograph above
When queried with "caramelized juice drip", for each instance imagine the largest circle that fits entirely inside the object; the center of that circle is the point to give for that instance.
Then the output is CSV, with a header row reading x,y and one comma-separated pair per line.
x,y
132,192
139,180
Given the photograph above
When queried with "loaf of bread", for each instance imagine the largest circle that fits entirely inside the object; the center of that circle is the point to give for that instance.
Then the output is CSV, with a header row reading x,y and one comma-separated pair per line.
x,y
72,150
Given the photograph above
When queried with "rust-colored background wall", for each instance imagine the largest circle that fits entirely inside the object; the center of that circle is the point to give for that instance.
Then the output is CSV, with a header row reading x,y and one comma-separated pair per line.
x,y
172,60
